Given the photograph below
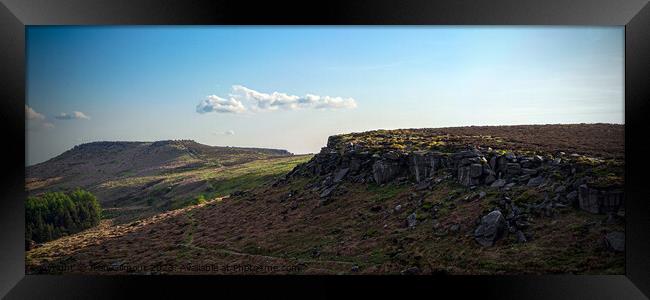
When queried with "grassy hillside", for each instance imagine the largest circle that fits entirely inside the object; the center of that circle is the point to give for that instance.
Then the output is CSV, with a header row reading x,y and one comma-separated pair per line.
x,y
134,179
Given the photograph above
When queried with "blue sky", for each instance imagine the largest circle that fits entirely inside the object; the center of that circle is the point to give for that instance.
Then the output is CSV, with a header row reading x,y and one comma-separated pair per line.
x,y
216,84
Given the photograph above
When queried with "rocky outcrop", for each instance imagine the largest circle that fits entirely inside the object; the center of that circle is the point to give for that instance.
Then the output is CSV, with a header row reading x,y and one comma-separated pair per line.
x,y
385,170
469,166
423,164
599,201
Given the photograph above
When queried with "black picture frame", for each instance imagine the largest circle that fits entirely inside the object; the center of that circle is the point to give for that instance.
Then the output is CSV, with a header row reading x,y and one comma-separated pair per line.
x,y
634,15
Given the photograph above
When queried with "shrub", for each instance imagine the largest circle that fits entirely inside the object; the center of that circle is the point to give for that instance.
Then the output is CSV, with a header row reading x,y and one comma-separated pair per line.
x,y
199,200
55,214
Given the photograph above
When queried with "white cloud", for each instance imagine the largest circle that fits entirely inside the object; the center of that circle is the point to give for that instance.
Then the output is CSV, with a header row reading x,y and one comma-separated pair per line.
x,y
80,115
31,114
35,120
227,132
276,100
215,103
74,115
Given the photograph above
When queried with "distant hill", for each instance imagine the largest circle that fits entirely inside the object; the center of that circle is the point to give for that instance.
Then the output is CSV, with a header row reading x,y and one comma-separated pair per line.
x,y
469,200
123,173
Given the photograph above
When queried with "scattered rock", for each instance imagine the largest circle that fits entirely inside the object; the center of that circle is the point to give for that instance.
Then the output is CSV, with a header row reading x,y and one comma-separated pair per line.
x,y
412,220
411,271
328,191
535,181
498,183
615,241
490,229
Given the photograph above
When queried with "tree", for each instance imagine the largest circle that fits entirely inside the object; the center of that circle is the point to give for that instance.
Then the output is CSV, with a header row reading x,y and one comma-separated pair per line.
x,y
53,214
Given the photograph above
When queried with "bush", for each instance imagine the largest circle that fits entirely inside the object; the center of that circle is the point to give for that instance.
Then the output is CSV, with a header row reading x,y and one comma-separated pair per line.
x,y
200,199
55,214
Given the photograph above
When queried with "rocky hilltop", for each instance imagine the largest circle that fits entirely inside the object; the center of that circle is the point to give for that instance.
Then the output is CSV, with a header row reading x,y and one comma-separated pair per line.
x,y
585,179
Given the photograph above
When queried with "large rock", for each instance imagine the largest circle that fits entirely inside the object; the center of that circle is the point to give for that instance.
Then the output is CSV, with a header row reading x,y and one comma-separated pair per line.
x,y
572,197
493,162
327,191
501,165
490,229
475,170
465,177
472,153
615,241
498,183
529,171
423,165
384,171
341,174
490,179
355,165
391,155
535,181
599,201
513,169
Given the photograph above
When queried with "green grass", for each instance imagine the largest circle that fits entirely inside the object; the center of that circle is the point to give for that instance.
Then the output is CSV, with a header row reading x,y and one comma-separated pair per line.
x,y
388,191
231,177
251,175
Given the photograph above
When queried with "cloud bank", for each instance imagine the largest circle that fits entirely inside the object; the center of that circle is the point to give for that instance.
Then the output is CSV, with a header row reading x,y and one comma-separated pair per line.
x,y
214,103
74,115
270,102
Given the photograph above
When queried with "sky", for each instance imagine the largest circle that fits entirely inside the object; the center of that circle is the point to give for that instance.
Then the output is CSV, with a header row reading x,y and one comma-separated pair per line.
x,y
292,87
